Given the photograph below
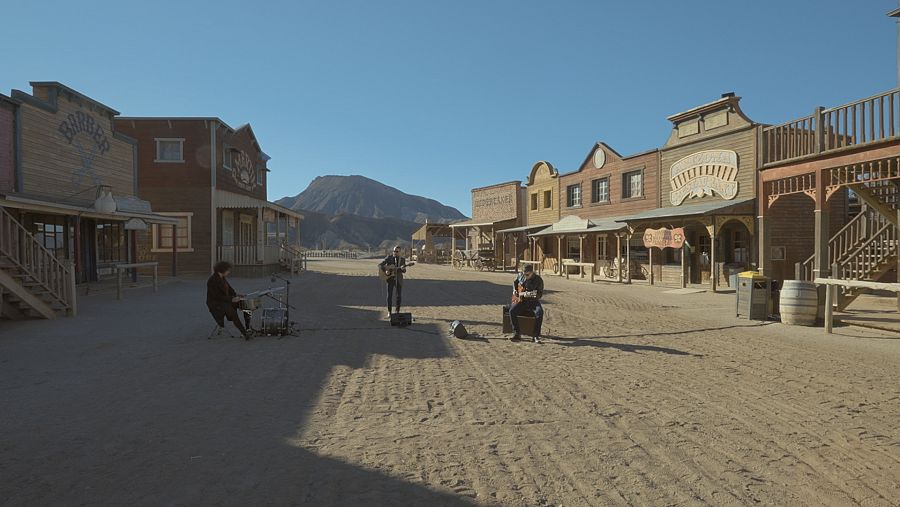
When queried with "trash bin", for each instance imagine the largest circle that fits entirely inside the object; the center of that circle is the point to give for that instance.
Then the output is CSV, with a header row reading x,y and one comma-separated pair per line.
x,y
752,295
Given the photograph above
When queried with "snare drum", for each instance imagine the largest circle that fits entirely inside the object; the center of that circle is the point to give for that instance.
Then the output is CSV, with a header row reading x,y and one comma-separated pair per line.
x,y
249,304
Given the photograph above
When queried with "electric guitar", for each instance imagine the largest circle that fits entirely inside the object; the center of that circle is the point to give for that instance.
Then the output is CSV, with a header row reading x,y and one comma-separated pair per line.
x,y
390,272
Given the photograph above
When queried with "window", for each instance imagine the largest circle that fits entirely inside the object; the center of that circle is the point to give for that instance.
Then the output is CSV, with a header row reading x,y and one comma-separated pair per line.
x,y
738,242
573,248
49,231
169,150
600,190
226,158
601,248
534,202
110,243
162,234
632,184
548,199
573,195
259,176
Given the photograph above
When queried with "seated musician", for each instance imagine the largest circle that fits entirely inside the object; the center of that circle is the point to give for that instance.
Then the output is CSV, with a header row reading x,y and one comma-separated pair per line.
x,y
527,292
223,301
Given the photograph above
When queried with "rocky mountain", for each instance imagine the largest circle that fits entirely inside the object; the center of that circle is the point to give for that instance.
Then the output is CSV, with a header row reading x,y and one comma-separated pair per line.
x,y
318,230
365,197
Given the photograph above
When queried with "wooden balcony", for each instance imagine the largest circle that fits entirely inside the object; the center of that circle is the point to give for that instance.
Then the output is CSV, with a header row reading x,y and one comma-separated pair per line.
x,y
862,123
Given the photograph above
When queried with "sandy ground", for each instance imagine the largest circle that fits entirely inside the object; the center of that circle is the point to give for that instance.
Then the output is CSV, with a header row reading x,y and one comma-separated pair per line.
x,y
642,398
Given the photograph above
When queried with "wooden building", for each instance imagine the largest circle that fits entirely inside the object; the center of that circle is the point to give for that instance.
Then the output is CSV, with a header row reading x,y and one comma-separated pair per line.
x,y
707,187
494,208
541,211
68,192
605,187
212,179
809,165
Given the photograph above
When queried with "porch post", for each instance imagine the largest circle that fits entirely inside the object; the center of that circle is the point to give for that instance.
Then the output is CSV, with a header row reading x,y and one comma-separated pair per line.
x,y
581,254
516,251
822,266
650,254
712,253
628,256
174,249
619,257
559,266
260,234
684,252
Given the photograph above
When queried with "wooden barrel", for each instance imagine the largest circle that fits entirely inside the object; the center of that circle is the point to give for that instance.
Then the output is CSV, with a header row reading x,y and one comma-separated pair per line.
x,y
798,303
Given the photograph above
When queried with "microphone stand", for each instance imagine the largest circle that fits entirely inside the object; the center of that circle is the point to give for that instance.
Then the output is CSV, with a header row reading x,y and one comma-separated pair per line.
x,y
287,303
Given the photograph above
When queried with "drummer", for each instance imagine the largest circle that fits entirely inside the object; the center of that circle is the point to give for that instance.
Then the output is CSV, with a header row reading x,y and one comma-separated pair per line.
x,y
223,301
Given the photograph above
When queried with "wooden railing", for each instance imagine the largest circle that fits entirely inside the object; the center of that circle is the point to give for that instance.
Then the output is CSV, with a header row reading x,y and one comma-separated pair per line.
x,y
870,256
292,258
846,241
249,255
37,263
332,254
870,120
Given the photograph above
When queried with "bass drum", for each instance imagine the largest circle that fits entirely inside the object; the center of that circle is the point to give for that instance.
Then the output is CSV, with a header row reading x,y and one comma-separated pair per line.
x,y
274,322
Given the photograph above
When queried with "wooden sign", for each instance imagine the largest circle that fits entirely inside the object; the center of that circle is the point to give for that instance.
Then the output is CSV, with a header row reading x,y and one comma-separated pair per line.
x,y
664,238
704,173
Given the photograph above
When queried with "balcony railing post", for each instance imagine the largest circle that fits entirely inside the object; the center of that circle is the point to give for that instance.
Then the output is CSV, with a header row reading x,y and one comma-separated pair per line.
x,y
820,129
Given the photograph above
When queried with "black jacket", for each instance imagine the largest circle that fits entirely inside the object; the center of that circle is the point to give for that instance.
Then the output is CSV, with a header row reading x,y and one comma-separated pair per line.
x,y
218,291
390,260
535,283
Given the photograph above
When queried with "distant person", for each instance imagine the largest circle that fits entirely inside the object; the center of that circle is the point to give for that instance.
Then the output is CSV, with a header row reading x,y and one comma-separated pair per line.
x,y
222,300
392,267
528,289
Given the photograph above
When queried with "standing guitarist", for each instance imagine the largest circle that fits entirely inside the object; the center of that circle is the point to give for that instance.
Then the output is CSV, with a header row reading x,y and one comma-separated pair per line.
x,y
393,266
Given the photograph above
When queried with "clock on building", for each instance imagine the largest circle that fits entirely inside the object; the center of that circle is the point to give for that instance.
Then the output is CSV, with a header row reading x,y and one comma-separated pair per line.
x,y
599,158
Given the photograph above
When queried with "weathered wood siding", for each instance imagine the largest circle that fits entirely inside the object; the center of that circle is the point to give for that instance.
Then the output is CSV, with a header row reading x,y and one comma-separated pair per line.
x,y
70,148
7,146
543,178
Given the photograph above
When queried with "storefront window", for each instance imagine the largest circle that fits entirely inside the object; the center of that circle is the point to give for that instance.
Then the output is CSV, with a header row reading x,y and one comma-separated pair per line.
x,y
111,243
739,243
164,235
601,248
49,231
573,248
271,233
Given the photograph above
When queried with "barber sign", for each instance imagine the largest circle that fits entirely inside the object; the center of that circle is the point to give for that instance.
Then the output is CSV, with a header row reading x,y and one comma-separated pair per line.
x,y
664,238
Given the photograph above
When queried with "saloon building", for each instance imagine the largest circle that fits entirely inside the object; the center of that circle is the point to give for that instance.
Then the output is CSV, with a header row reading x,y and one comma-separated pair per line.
x,y
496,210
212,179
69,205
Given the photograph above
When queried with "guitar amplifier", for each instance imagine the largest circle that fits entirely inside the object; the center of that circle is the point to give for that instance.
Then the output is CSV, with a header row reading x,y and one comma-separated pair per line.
x,y
526,322
401,319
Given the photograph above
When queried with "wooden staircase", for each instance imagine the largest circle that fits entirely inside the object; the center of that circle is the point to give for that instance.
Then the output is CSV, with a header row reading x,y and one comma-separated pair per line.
x,y
867,247
33,282
291,259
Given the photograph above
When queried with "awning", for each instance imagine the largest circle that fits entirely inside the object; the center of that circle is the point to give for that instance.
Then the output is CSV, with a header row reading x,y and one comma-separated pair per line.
x,y
577,225
524,228
471,223
225,199
45,206
717,207
438,230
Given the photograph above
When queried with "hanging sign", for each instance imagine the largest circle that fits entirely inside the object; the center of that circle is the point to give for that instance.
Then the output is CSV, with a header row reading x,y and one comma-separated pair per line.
x,y
664,238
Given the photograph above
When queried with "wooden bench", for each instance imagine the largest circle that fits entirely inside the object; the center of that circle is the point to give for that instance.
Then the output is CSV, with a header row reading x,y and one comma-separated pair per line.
x,y
581,266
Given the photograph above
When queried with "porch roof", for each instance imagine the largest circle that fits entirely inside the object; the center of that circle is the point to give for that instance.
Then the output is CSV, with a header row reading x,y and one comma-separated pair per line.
x,y
225,199
525,228
472,223
439,230
577,225
718,207
43,204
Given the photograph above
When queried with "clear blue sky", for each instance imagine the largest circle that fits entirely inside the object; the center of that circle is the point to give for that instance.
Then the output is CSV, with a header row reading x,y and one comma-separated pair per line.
x,y
437,97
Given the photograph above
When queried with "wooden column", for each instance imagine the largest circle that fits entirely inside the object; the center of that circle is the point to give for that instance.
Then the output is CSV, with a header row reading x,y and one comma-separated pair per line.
x,y
628,256
650,254
516,251
581,254
174,249
764,238
684,253
821,268
619,257
260,234
559,265
712,254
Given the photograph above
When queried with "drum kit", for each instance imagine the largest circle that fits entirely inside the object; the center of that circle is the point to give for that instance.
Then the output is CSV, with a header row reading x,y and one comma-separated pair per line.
x,y
273,321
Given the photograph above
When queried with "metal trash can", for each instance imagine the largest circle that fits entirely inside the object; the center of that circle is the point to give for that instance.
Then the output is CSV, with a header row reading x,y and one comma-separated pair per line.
x,y
752,296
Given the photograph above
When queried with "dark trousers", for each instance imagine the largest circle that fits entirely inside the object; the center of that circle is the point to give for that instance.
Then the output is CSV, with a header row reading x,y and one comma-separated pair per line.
x,y
390,293
221,311
523,306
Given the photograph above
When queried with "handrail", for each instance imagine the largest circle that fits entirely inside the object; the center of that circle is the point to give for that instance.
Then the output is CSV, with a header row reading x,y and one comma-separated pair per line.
x,y
865,260
36,261
865,121
845,242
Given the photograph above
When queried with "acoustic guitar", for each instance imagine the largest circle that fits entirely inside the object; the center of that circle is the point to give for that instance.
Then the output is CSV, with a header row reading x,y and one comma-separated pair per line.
x,y
521,294
390,272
